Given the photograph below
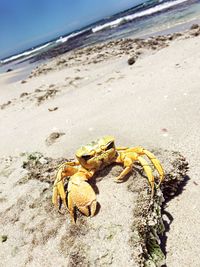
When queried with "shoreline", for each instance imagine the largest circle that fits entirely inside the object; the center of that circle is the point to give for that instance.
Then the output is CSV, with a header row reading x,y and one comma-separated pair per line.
x,y
130,47
39,59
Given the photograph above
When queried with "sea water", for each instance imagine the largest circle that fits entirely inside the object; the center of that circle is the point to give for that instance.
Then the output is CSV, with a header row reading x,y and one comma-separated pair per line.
x,y
146,19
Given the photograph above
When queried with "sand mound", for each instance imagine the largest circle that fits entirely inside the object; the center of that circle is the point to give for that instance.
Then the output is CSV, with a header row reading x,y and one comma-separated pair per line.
x,y
126,230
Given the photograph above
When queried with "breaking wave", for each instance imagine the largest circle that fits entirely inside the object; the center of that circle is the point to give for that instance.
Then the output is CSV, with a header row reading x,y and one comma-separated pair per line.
x,y
24,54
66,38
147,12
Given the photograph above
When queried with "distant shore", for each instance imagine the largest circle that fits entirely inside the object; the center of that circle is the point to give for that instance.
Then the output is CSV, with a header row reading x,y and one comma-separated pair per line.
x,y
70,45
127,45
131,47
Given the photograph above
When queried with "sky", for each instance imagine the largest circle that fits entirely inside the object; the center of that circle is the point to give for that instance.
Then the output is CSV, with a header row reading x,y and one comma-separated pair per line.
x,y
27,23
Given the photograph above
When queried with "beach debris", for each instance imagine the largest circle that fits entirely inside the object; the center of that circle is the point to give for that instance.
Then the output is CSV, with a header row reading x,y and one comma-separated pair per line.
x,y
194,26
78,78
195,30
174,36
52,109
53,137
4,238
24,81
92,158
24,94
38,90
104,51
9,70
132,60
43,69
73,83
61,61
39,96
3,106
49,93
177,65
110,79
40,167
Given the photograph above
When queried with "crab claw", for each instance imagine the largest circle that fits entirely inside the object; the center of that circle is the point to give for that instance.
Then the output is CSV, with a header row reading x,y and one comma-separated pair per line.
x,y
66,169
81,195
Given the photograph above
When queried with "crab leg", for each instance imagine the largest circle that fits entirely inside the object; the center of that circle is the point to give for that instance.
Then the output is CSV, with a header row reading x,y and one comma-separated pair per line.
x,y
71,207
121,148
141,151
128,164
148,172
156,164
127,159
58,189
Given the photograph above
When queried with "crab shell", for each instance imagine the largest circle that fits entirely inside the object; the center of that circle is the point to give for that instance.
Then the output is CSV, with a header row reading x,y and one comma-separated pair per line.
x,y
98,154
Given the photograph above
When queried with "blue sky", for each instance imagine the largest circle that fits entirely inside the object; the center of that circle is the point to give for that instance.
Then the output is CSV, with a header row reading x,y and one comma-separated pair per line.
x,y
26,23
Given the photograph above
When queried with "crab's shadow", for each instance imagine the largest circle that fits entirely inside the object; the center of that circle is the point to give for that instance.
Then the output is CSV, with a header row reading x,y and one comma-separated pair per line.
x,y
167,217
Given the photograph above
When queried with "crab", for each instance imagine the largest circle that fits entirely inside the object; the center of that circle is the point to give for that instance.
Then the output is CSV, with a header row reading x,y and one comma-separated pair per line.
x,y
90,159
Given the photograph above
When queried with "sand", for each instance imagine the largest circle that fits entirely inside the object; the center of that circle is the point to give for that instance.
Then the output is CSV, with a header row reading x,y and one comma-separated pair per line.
x,y
86,94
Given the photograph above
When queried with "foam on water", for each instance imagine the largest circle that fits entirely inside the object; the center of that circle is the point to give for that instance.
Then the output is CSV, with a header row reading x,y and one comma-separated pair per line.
x,y
24,54
66,38
140,14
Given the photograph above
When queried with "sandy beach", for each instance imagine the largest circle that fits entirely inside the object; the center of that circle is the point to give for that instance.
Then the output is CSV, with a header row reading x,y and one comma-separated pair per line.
x,y
143,92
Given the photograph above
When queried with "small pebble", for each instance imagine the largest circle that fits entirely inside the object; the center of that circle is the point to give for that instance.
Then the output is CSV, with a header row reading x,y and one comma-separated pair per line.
x,y
4,238
131,60
52,109
23,81
164,130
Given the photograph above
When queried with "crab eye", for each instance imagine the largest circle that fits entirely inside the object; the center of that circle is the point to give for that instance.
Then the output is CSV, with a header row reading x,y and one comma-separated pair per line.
x,y
86,157
111,145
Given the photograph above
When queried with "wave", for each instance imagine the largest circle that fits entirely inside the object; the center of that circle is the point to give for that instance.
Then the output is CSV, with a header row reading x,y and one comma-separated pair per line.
x,y
66,38
26,53
147,12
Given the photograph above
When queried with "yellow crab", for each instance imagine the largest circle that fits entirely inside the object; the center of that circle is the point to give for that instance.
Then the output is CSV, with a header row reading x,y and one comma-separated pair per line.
x,y
92,158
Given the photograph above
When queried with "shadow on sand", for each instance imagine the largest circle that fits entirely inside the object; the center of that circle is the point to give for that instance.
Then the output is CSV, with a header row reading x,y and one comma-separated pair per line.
x,y
167,217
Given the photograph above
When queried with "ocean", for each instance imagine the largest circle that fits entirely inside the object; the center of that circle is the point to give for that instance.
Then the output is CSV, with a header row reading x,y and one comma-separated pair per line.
x,y
147,19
